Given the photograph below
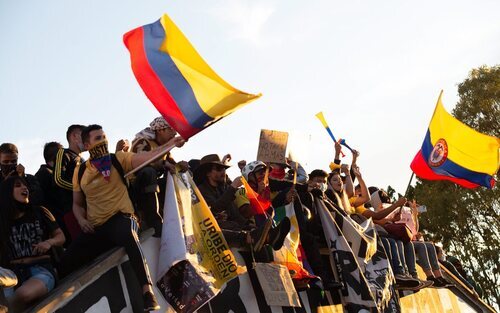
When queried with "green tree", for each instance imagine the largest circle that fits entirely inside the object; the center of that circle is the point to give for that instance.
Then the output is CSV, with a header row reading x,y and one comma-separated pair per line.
x,y
391,192
467,221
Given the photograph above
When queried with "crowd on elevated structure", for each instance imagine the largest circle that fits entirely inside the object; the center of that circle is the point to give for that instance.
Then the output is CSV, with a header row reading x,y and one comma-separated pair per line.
x,y
72,210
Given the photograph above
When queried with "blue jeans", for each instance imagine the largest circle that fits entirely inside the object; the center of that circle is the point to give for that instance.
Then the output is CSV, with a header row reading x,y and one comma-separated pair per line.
x,y
407,255
35,272
427,257
392,251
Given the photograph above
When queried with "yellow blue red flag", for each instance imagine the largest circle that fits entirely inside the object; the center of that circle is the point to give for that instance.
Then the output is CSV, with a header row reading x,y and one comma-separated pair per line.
x,y
176,79
454,151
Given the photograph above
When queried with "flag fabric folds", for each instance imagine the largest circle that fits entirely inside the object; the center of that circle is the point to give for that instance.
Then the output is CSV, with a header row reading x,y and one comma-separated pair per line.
x,y
360,262
175,78
195,259
288,255
453,151
258,203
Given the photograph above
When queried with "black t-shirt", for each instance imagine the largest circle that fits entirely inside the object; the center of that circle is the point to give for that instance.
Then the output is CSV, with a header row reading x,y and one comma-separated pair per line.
x,y
31,228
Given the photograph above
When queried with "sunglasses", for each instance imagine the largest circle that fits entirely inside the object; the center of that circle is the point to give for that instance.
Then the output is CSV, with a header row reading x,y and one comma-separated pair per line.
x,y
219,168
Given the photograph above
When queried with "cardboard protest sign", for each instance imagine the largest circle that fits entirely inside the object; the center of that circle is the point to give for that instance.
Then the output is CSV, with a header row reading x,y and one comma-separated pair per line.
x,y
277,285
272,146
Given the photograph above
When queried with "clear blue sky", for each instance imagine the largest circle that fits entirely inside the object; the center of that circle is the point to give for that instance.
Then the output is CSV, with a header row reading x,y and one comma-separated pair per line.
x,y
374,67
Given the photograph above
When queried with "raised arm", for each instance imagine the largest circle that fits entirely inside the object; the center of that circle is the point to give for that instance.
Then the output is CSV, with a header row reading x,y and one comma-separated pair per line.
x,y
365,195
348,185
139,158
355,155
383,213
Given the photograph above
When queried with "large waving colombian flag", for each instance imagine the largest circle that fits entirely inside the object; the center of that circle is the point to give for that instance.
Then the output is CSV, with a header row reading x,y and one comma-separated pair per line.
x,y
180,84
454,151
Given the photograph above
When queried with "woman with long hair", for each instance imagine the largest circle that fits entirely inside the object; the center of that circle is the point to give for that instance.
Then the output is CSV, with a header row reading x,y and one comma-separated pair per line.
x,y
27,234
337,193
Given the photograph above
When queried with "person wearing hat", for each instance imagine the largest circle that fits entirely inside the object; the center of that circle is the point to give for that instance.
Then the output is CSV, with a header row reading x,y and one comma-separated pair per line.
x,y
219,193
146,182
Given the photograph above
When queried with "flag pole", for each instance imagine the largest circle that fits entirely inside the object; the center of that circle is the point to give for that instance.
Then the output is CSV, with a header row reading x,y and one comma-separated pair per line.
x,y
295,173
407,189
409,183
162,150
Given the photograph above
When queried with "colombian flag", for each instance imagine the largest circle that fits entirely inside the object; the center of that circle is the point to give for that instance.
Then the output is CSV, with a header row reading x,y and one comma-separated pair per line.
x,y
175,78
454,151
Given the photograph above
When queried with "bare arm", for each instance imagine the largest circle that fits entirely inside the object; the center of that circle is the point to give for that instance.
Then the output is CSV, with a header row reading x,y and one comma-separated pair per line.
x,y
140,158
80,212
348,185
338,147
383,213
355,155
57,239
365,195
414,214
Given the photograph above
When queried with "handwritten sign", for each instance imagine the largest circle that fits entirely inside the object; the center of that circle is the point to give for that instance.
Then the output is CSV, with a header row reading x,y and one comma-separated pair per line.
x,y
272,146
277,285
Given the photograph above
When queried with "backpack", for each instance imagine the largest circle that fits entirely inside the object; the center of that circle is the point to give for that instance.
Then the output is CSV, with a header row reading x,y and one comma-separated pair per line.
x,y
116,164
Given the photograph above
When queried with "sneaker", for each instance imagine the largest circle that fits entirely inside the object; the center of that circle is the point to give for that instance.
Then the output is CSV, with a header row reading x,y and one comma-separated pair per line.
x,y
404,282
440,282
404,277
150,303
423,283
278,234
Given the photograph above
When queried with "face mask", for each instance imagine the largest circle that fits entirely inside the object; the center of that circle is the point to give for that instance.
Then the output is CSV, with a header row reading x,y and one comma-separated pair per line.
x,y
101,159
8,168
323,187
277,173
81,147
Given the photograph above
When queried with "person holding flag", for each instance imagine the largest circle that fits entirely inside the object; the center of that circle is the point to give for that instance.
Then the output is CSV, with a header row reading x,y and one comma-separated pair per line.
x,y
254,203
146,182
104,211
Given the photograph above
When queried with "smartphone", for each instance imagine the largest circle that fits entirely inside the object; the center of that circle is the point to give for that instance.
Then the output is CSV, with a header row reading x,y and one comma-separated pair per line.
x,y
422,209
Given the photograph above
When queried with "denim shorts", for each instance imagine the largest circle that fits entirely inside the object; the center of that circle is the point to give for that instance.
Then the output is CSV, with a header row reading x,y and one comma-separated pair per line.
x,y
38,272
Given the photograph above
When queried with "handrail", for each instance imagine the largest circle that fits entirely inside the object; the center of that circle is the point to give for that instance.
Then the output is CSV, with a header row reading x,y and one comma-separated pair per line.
x,y
466,291
77,280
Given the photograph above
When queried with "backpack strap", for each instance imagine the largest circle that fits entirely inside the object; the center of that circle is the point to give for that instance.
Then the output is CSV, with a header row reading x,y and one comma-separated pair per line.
x,y
116,164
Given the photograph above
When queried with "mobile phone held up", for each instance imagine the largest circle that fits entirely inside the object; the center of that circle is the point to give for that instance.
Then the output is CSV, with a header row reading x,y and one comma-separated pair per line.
x,y
422,209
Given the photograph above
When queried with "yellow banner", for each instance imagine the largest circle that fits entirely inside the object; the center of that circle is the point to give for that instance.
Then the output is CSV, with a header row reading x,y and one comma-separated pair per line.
x,y
211,244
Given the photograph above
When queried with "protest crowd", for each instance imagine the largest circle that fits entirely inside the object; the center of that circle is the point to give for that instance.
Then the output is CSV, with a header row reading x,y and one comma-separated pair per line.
x,y
72,210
